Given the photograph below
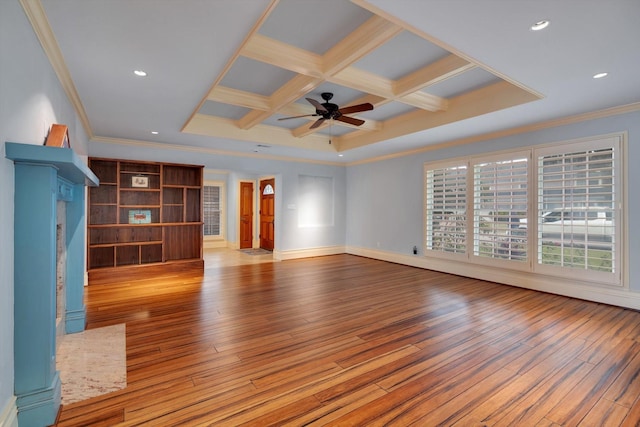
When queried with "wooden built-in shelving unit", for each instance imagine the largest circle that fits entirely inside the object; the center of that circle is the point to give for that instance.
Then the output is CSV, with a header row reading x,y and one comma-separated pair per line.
x,y
143,214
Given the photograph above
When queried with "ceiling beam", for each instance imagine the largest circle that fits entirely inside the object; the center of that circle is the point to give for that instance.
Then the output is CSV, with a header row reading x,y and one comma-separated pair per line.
x,y
487,99
425,101
296,109
240,98
363,40
445,68
296,88
254,101
368,125
283,55
377,85
364,81
219,127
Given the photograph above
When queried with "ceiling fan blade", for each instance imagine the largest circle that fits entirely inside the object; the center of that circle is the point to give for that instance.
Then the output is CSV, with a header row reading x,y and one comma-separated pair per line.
x,y
319,107
297,117
317,123
350,120
356,108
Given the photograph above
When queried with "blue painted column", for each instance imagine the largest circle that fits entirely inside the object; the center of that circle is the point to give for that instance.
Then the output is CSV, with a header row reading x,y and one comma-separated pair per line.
x,y
42,176
37,383
75,315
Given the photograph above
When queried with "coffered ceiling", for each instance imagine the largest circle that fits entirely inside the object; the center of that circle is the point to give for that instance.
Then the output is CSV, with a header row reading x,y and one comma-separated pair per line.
x,y
361,57
222,74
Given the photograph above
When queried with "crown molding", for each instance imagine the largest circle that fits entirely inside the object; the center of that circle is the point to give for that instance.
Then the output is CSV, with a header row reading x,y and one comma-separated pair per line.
x,y
608,112
192,149
38,19
563,121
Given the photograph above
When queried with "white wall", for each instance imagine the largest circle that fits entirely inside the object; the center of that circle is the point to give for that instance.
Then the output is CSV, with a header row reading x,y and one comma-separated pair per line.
x,y
379,213
31,99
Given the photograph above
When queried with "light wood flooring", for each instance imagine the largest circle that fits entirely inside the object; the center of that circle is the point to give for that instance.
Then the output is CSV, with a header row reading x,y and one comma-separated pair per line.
x,y
350,341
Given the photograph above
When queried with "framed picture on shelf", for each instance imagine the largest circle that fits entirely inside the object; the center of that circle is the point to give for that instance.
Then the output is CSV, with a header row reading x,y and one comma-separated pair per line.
x,y
139,216
139,181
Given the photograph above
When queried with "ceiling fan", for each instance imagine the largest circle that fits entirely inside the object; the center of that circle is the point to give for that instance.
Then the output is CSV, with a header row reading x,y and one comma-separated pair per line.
x,y
327,110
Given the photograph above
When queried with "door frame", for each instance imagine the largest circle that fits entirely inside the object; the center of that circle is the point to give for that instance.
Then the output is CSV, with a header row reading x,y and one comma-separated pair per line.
x,y
253,209
259,198
255,206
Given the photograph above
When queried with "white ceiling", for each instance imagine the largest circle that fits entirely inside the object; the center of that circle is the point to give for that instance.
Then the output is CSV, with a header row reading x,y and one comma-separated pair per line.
x,y
220,73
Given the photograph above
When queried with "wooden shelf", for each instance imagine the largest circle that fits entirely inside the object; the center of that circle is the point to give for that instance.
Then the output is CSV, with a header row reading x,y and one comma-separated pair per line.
x,y
169,196
106,245
90,226
139,172
181,186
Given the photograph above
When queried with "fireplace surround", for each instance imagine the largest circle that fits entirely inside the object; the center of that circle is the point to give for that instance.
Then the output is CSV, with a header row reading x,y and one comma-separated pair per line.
x,y
43,176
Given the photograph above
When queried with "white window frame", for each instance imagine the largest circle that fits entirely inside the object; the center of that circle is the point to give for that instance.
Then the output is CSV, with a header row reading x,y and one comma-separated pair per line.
x,y
498,236
428,215
223,210
617,278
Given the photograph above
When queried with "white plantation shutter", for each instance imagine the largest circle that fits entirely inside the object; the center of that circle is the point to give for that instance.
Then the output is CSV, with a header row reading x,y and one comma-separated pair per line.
x,y
553,210
446,209
212,210
577,220
499,202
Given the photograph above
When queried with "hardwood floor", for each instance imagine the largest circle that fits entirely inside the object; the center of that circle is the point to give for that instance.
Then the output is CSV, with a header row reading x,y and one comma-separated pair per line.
x,y
345,340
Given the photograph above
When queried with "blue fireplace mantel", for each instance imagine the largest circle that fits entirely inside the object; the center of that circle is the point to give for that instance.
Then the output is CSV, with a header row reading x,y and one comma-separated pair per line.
x,y
44,175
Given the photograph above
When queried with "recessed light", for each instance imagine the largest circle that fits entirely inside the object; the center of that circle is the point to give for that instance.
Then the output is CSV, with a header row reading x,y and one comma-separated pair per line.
x,y
155,132
540,25
139,73
600,75
340,155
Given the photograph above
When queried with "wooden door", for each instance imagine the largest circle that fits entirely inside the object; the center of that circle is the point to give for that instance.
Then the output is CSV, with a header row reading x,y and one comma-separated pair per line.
x,y
246,215
267,213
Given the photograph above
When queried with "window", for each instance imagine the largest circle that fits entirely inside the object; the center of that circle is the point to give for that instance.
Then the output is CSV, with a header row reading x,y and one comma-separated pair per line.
x,y
446,209
268,190
554,210
500,200
212,210
577,219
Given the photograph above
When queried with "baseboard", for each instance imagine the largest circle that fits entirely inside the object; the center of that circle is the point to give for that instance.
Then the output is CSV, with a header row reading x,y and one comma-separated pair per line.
x,y
307,253
75,320
40,407
554,285
214,244
9,414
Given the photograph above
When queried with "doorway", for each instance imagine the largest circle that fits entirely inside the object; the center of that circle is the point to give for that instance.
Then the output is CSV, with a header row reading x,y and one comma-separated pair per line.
x,y
246,215
267,213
